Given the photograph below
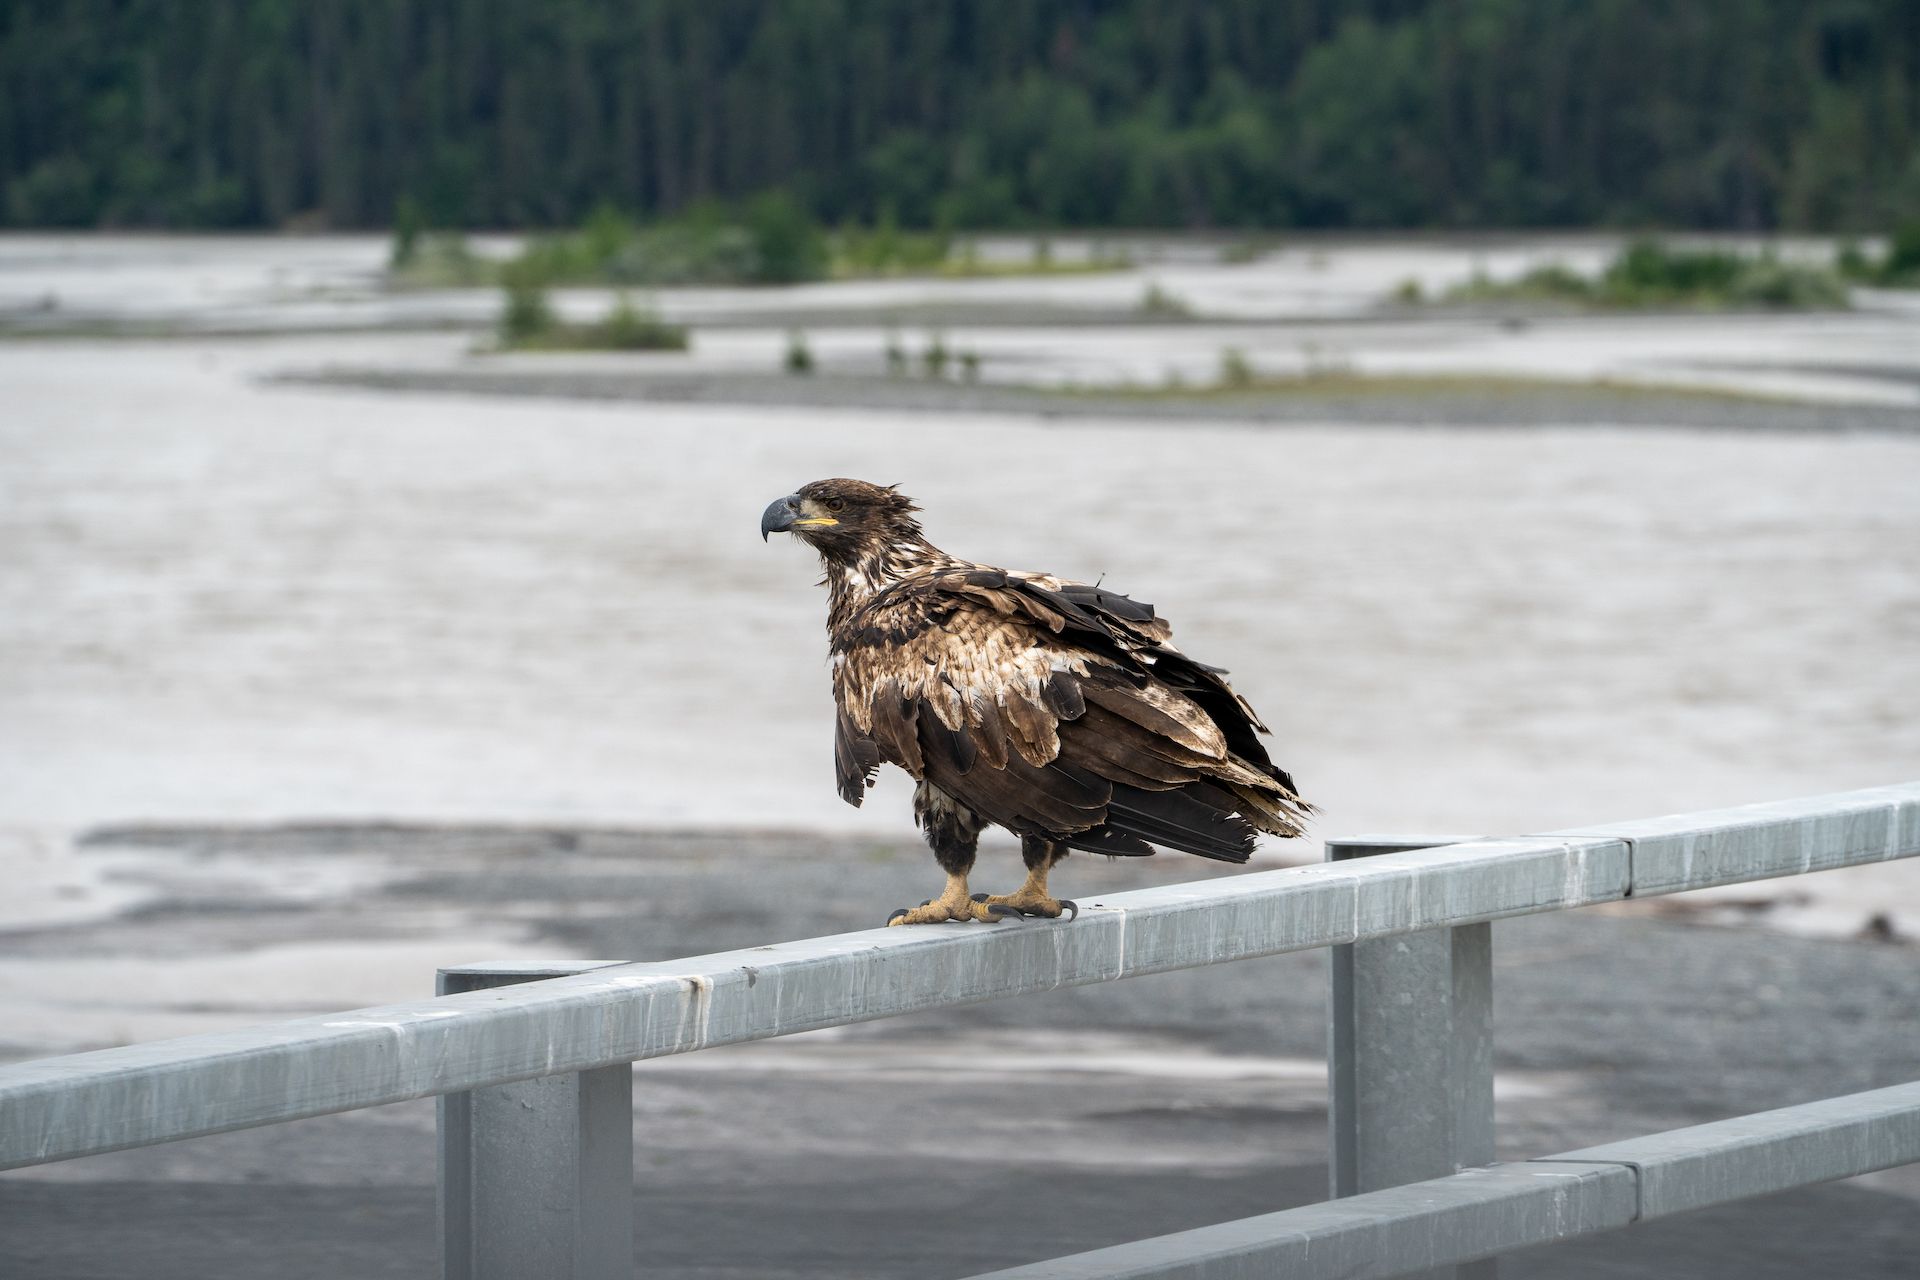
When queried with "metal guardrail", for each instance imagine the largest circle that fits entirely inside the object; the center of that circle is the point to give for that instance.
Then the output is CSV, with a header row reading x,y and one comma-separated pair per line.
x,y
570,1037
1481,1211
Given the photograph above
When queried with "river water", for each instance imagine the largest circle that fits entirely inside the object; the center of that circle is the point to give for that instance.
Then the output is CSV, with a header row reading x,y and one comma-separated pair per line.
x,y
229,600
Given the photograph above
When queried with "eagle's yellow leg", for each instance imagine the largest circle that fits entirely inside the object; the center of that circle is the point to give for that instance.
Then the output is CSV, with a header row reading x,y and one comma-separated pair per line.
x,y
1031,898
952,904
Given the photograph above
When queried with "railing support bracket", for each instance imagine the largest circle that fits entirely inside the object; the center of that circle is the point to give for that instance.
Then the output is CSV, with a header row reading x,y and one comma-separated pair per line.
x,y
1410,1054
536,1177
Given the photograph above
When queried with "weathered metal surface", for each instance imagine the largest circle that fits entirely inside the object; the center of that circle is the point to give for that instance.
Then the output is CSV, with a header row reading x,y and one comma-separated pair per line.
x,y
1410,1053
63,1107
1760,841
1410,1038
1770,1151
1477,1213
1420,1009
536,1177
134,1096
1442,1222
1478,880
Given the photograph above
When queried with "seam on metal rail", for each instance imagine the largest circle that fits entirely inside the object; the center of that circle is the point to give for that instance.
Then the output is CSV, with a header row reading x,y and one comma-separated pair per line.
x,y
1631,1166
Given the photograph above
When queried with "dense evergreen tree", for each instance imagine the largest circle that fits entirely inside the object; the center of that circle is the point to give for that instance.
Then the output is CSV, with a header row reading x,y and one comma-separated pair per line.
x,y
1738,113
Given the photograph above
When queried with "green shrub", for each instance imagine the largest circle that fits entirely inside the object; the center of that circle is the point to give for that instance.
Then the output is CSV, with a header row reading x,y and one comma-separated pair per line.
x,y
886,250
1768,282
526,317
686,252
934,359
774,241
1900,267
1236,373
799,357
1649,268
527,323
604,235
1556,280
629,328
1157,302
787,242
1851,261
408,224
1647,273
1902,263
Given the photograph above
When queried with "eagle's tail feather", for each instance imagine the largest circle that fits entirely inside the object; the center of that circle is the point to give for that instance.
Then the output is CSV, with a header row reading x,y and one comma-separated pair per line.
x,y
1104,839
1280,815
1189,819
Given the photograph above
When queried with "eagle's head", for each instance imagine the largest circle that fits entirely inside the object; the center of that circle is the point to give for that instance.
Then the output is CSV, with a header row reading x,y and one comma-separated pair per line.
x,y
845,520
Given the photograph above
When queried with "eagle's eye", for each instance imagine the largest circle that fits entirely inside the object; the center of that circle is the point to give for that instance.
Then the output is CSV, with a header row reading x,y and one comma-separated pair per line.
x,y
836,504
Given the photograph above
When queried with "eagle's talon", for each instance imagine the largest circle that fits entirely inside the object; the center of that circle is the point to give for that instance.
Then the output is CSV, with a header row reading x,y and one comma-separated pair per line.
x,y
1029,901
955,906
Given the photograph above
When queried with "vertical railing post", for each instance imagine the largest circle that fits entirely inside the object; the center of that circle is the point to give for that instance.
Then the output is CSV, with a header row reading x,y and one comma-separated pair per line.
x,y
1410,1052
536,1177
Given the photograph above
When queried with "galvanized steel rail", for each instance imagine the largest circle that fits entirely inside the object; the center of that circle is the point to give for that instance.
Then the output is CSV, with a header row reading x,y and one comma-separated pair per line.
x,y
59,1108
1479,1212
612,1015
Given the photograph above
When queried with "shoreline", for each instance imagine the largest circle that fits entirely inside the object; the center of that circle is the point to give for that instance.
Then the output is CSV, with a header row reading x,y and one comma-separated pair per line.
x,y
1431,402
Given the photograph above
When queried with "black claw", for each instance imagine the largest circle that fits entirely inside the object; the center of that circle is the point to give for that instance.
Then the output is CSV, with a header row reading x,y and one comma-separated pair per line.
x,y
981,897
1067,908
999,911
898,913
926,902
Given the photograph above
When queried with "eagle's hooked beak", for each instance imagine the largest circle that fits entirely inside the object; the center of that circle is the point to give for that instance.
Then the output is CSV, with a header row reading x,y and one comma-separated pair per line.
x,y
780,515
785,513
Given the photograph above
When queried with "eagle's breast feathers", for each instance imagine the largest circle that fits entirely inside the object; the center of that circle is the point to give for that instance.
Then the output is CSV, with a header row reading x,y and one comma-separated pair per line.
x,y
1049,706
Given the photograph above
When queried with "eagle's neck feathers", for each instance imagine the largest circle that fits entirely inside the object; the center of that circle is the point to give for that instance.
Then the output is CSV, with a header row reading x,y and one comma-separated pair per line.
x,y
878,564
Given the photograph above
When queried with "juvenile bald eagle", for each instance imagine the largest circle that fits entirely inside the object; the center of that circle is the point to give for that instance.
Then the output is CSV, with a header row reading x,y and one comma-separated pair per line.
x,y
1057,710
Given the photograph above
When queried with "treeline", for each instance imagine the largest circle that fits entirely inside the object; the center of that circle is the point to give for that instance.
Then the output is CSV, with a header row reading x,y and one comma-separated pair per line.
x,y
972,113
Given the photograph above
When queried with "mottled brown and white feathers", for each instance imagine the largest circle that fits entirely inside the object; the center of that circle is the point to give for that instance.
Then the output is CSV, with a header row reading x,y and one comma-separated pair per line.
x,y
1045,706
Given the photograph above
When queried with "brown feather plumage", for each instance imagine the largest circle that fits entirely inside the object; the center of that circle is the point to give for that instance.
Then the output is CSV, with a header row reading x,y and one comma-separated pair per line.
x,y
1048,707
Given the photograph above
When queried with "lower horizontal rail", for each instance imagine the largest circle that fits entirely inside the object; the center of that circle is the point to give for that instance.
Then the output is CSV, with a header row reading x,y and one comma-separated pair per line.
x,y
1482,1212
1459,1218
1769,1151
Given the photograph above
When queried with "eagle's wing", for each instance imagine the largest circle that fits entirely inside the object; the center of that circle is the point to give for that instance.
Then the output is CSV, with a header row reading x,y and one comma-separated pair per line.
x,y
1056,708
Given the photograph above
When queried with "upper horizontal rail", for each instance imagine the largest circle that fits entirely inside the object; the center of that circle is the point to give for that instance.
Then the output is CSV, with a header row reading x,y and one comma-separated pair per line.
x,y
1481,1212
59,1108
